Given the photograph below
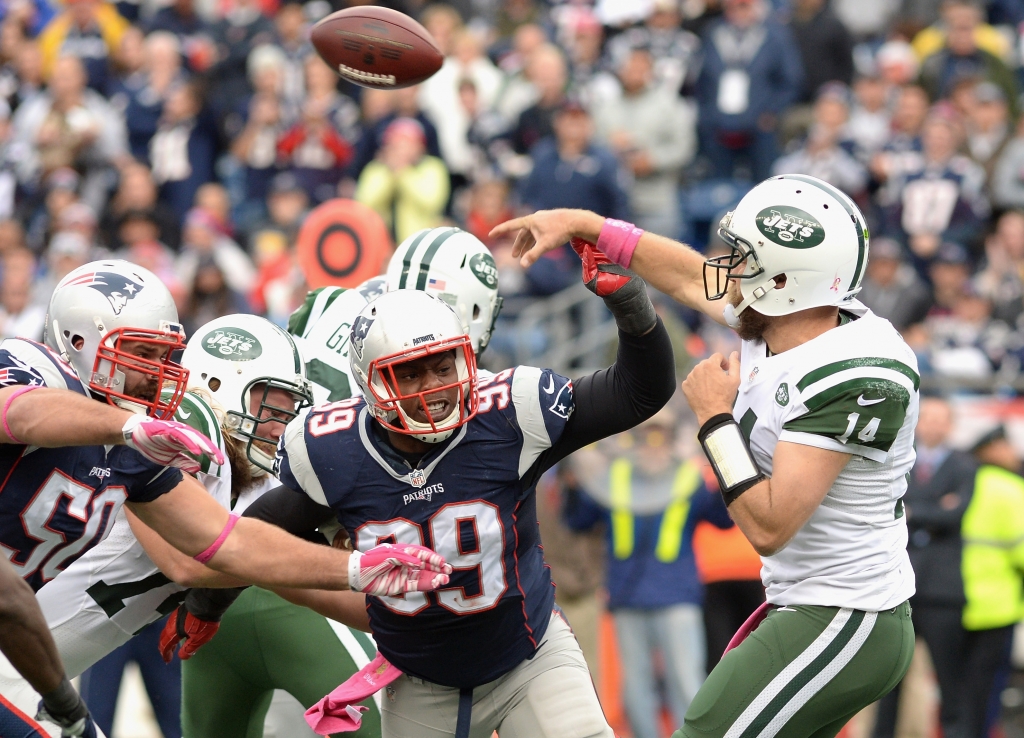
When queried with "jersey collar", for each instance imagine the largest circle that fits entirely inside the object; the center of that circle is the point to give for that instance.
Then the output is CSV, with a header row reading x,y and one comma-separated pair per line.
x,y
393,463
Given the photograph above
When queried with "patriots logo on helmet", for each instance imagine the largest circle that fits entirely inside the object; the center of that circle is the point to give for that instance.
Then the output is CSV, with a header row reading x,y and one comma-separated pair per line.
x,y
117,288
360,328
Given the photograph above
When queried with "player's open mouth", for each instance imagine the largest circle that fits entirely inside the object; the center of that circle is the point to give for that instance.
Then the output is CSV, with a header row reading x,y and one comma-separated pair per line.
x,y
438,409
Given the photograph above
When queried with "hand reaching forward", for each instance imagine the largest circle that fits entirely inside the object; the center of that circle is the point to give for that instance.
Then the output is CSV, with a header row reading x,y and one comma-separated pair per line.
x,y
169,443
547,230
394,569
711,386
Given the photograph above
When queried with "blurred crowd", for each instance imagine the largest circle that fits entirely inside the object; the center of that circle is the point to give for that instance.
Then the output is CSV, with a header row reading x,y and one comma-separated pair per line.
x,y
192,136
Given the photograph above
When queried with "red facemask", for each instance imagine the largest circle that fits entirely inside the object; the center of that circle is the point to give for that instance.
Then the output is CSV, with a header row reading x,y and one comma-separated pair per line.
x,y
167,375
382,374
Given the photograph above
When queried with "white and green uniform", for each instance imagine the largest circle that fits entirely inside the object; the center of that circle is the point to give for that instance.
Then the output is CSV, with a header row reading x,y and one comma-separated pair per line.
x,y
114,590
840,636
321,329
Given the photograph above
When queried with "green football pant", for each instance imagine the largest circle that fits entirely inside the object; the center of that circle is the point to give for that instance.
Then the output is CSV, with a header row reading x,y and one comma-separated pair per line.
x,y
266,643
803,673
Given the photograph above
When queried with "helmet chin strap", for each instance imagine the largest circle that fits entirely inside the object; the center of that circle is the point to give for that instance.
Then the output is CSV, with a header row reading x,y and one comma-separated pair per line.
x,y
732,312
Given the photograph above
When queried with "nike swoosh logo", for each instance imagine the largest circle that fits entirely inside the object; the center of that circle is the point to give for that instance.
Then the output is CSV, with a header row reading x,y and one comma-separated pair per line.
x,y
184,415
864,403
551,385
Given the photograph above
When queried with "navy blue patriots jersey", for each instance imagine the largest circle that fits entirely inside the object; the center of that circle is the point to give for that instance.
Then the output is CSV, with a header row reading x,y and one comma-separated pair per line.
x,y
471,500
57,503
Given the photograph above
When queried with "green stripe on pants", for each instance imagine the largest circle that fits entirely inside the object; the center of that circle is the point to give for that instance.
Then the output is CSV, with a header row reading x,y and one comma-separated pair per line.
x,y
803,673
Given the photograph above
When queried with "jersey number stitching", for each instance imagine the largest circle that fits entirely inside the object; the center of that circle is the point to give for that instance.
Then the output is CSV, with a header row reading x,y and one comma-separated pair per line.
x,y
333,417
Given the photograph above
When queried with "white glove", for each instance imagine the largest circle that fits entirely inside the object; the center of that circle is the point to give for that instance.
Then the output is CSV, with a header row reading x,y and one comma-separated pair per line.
x,y
169,443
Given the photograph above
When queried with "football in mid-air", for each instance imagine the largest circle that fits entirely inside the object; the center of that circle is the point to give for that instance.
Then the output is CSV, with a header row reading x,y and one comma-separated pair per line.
x,y
376,47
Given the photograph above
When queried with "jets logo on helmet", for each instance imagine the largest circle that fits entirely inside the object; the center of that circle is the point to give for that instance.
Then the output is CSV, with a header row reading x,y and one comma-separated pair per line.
x,y
233,343
117,288
360,328
790,227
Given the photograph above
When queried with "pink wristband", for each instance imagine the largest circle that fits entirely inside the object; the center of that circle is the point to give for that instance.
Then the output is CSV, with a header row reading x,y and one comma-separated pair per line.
x,y
215,546
618,241
3,415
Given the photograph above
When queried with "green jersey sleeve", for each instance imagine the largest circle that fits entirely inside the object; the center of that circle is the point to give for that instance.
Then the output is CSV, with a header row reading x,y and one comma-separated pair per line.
x,y
317,301
856,407
194,411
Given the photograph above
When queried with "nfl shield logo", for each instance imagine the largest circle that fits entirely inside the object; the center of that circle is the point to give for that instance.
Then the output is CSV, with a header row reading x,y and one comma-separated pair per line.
x,y
417,478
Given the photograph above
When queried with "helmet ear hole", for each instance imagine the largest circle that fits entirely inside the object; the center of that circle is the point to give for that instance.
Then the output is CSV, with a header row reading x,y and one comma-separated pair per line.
x,y
77,342
213,383
780,281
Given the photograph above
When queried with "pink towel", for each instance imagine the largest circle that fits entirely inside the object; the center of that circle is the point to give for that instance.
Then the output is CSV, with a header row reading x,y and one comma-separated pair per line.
x,y
749,626
336,712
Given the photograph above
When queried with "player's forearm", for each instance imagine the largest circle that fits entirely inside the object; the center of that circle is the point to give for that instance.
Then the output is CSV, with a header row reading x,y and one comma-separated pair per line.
x,y
52,418
267,556
24,637
347,608
765,519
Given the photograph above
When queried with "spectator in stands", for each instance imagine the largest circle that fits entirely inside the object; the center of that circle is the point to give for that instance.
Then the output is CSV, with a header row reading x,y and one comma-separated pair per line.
x,y
66,252
255,147
988,127
993,557
1007,182
20,317
69,125
210,296
28,66
654,135
750,75
202,238
941,194
194,34
321,86
293,41
488,206
570,171
675,51
89,30
653,591
443,22
1000,278
439,97
140,97
265,67
870,122
407,186
584,43
547,72
380,110
826,47
183,150
961,57
137,191
287,204
487,137
61,189
241,30
892,288
519,92
78,218
901,151
825,154
939,490
947,13
314,151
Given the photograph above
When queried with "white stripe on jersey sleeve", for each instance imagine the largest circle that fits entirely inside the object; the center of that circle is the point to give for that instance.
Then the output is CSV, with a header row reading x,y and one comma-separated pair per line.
x,y
35,358
317,311
298,459
526,398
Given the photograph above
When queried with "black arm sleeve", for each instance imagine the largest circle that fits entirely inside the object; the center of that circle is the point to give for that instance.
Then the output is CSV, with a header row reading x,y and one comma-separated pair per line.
x,y
639,383
291,510
281,506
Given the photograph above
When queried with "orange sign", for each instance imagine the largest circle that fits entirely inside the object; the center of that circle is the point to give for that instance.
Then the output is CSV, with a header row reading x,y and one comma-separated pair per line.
x,y
342,243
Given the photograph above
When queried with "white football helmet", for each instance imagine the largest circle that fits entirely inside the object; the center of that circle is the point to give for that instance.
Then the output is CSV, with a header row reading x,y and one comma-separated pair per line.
x,y
455,266
234,355
795,225
99,308
404,326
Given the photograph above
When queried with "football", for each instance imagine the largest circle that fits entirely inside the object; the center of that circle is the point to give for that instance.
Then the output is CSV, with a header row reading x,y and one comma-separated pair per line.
x,y
376,47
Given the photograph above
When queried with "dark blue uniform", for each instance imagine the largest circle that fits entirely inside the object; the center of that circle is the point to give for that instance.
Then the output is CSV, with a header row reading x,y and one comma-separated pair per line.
x,y
57,503
470,499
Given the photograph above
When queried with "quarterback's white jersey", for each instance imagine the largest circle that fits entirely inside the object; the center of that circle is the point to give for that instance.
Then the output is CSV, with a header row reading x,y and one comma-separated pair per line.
x,y
854,389
321,329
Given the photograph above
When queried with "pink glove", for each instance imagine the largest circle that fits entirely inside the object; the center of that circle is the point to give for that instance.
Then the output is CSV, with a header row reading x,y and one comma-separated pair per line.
x,y
389,569
339,712
169,443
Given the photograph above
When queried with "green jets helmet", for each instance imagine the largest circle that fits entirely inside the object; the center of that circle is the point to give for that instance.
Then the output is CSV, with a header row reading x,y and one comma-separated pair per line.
x,y
234,357
793,225
456,267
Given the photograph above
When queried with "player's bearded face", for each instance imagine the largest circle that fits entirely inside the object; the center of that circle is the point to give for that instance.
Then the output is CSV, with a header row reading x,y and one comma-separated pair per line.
x,y
752,323
140,385
421,375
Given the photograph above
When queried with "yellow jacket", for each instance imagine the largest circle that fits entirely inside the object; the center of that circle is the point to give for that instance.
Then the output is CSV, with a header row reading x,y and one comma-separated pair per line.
x,y
409,200
933,38
111,24
993,550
